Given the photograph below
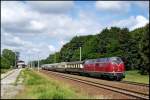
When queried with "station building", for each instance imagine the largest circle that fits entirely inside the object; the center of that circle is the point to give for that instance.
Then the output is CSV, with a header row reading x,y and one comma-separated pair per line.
x,y
21,64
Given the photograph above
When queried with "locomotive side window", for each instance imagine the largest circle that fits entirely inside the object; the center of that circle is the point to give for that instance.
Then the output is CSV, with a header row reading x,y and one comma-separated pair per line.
x,y
105,60
86,62
98,60
116,60
90,62
101,60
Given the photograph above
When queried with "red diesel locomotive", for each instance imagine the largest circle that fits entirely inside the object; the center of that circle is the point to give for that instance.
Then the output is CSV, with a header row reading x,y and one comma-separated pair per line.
x,y
112,67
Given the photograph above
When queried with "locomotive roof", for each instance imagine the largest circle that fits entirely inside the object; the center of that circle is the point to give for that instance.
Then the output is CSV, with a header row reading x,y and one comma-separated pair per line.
x,y
103,58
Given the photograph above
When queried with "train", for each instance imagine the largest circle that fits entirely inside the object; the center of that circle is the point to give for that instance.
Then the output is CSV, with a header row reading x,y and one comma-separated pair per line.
x,y
111,68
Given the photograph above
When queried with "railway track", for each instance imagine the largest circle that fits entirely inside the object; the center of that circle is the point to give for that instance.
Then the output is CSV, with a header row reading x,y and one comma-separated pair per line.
x,y
128,82
131,83
135,83
131,93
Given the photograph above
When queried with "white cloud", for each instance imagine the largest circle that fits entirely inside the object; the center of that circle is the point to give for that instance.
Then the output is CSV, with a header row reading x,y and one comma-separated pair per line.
x,y
13,10
51,6
65,27
35,50
26,48
113,6
132,22
55,25
140,22
17,17
37,25
9,40
51,48
62,43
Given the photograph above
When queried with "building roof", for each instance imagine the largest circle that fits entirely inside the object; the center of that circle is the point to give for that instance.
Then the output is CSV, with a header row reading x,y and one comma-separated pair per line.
x,y
20,61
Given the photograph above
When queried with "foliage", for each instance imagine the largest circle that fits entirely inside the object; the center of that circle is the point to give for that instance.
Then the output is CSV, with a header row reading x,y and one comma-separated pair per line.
x,y
5,63
131,46
7,58
144,51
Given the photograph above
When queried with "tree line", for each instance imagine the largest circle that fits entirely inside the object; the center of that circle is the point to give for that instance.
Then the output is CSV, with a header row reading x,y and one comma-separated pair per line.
x,y
131,46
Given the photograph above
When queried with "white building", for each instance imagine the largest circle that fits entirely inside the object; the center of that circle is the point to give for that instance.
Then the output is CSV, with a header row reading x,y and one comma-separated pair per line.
x,y
21,64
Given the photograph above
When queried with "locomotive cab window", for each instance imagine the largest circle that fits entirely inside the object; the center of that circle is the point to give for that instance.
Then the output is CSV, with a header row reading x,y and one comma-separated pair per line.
x,y
87,62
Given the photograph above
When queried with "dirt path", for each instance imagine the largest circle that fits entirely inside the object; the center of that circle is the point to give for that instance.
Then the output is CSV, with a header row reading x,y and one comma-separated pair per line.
x,y
8,88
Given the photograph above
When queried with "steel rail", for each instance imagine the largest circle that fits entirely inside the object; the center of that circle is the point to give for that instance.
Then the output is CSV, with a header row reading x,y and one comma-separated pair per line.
x,y
135,83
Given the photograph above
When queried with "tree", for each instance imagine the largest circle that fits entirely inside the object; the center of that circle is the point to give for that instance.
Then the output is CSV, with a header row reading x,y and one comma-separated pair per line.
x,y
144,51
7,58
5,64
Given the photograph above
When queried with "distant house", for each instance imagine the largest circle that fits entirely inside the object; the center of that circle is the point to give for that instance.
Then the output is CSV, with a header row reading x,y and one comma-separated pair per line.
x,y
21,64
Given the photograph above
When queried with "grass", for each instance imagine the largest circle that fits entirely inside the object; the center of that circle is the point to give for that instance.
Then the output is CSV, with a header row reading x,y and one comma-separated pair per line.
x,y
40,86
136,77
18,78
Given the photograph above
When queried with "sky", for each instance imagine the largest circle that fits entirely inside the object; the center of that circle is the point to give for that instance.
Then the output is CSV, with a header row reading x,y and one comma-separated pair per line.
x,y
39,28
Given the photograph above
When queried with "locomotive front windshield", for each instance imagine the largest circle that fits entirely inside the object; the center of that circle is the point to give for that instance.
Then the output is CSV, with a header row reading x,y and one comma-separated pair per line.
x,y
116,60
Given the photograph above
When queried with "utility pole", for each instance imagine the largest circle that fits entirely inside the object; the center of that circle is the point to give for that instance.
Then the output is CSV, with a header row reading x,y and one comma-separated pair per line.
x,y
80,54
31,64
38,64
55,57
30,61
15,59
